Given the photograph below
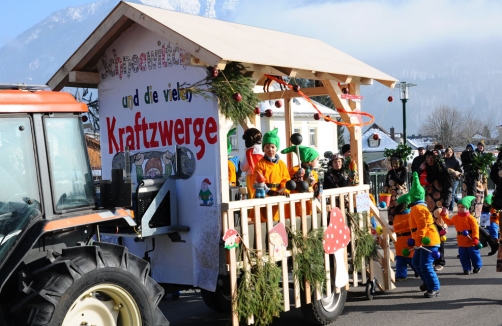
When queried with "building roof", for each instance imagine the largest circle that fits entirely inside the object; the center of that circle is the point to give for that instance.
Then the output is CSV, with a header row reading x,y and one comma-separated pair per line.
x,y
214,42
385,141
377,126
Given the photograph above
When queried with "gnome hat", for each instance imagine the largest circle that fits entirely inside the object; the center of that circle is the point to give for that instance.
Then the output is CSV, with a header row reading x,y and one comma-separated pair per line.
x,y
307,154
417,192
466,201
281,230
206,180
404,199
489,199
259,177
271,137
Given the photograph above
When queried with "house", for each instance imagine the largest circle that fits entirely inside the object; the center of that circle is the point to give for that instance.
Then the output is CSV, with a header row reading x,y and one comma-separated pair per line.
x,y
318,134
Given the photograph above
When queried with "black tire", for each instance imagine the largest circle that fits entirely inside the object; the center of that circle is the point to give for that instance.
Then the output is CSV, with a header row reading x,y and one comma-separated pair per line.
x,y
221,299
370,290
327,309
88,279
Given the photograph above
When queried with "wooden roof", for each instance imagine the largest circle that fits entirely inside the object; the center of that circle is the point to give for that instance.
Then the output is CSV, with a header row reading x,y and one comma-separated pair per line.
x,y
214,43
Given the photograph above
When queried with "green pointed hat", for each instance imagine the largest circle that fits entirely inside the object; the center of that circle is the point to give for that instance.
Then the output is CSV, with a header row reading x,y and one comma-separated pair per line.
x,y
229,143
307,154
417,192
466,201
404,199
489,199
271,137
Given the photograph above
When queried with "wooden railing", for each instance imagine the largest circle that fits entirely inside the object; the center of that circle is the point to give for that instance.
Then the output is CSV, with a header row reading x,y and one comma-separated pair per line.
x,y
253,233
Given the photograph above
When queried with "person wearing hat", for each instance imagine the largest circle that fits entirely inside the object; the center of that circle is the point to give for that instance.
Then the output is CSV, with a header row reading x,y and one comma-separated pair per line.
x,y
309,158
424,234
273,169
493,227
254,152
353,174
464,223
337,175
418,160
480,148
403,233
438,194
395,184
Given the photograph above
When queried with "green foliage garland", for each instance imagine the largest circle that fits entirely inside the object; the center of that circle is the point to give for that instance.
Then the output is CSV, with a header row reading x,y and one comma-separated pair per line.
x,y
365,246
228,82
308,256
258,293
483,163
402,151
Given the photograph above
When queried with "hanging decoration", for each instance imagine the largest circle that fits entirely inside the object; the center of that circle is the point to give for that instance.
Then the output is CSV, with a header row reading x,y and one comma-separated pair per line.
x,y
234,91
376,136
390,99
326,118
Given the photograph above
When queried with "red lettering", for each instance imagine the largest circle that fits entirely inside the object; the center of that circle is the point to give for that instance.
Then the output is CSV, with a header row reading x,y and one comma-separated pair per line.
x,y
137,128
211,128
198,128
112,142
179,132
121,135
130,138
153,127
188,123
166,132
144,127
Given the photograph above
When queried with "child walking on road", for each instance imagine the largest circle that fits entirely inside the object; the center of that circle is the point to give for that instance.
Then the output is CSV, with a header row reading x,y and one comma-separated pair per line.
x,y
467,236
403,233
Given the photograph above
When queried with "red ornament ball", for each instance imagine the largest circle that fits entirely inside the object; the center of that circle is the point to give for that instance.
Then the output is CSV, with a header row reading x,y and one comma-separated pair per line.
x,y
376,137
317,116
296,88
345,90
237,96
278,104
256,110
84,118
269,113
390,98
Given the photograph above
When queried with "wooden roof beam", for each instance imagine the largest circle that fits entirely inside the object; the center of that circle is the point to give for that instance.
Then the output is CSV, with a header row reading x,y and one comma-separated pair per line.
x,y
290,72
83,78
366,81
311,91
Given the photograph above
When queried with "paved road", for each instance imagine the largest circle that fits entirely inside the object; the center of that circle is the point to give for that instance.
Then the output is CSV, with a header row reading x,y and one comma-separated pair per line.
x,y
465,300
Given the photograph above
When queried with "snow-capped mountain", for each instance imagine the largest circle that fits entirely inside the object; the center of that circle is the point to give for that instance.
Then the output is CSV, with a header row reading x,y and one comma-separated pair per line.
x,y
29,59
463,75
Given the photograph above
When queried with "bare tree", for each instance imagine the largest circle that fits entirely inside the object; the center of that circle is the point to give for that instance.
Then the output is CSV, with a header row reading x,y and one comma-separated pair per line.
x,y
470,125
443,122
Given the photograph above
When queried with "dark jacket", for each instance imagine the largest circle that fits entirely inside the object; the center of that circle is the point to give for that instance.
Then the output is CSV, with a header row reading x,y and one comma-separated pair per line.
x,y
336,179
417,161
453,163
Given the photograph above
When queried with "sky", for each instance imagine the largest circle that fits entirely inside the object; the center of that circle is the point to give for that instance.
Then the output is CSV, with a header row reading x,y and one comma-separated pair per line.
x,y
362,28
18,16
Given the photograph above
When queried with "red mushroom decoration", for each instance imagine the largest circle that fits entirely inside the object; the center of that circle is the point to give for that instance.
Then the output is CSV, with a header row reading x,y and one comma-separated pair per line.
x,y
376,137
231,239
336,238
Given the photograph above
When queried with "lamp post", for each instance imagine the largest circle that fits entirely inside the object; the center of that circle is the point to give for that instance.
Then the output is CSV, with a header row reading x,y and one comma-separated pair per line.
x,y
404,98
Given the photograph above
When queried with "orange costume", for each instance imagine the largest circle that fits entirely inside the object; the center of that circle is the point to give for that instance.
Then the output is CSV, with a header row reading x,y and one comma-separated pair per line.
x,y
276,175
463,222
402,230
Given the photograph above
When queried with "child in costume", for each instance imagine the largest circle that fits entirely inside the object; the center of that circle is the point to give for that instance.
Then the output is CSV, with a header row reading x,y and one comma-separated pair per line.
x,y
309,158
493,227
273,169
402,230
422,226
467,244
252,139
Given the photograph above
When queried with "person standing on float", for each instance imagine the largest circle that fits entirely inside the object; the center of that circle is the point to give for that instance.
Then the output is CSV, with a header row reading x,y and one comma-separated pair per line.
x,y
425,234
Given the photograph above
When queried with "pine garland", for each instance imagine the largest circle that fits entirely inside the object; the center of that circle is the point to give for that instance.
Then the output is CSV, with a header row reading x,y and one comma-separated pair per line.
x,y
309,257
225,85
402,151
258,293
365,246
483,163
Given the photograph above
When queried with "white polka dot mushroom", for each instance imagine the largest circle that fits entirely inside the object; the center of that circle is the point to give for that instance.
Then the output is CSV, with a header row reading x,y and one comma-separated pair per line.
x,y
336,238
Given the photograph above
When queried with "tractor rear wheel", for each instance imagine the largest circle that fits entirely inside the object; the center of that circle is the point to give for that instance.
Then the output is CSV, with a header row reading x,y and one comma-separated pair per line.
x,y
102,284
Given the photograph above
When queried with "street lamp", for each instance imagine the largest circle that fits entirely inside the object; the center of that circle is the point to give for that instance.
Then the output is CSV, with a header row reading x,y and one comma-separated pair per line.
x,y
404,98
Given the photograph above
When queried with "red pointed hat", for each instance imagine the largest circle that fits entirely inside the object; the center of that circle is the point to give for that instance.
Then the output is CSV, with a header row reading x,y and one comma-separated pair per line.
x,y
206,180
259,177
